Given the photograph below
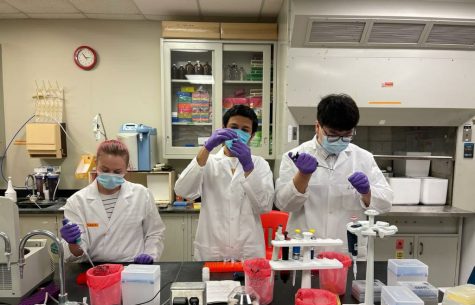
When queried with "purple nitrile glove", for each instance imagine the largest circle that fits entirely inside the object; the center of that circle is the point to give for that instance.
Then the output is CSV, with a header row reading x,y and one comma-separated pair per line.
x,y
360,182
306,163
71,233
218,137
243,153
143,259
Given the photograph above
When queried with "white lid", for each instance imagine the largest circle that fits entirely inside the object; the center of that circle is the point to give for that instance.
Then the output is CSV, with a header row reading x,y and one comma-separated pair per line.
x,y
400,295
359,286
408,267
140,273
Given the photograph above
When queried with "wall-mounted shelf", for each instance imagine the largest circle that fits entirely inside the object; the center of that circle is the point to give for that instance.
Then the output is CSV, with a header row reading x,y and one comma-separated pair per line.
x,y
404,157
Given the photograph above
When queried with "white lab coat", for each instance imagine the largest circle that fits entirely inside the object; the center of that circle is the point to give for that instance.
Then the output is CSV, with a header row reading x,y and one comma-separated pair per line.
x,y
229,225
135,226
330,200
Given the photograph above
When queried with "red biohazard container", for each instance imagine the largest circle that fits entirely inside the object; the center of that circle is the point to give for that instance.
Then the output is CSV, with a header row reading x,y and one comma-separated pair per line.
x,y
334,280
308,296
104,284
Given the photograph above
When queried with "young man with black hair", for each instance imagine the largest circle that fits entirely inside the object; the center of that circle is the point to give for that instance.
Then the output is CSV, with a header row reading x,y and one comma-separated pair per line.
x,y
235,188
347,182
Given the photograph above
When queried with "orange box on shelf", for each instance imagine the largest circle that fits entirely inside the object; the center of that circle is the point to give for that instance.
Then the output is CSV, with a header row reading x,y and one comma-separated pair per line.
x,y
193,30
249,31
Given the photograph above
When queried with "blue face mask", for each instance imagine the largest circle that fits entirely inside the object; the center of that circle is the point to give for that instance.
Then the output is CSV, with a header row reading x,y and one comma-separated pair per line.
x,y
110,181
243,137
334,147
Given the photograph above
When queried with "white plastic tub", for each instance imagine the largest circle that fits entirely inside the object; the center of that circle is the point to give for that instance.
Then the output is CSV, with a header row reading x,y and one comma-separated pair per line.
x,y
433,191
412,168
407,191
140,283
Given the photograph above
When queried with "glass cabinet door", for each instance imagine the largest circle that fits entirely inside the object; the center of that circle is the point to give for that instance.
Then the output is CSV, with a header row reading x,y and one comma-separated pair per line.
x,y
246,80
191,95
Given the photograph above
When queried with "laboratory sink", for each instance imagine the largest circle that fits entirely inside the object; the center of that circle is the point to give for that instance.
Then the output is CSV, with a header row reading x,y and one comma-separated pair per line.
x,y
25,203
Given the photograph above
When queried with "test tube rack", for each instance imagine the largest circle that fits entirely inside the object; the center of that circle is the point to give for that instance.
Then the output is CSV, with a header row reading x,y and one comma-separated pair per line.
x,y
306,265
371,230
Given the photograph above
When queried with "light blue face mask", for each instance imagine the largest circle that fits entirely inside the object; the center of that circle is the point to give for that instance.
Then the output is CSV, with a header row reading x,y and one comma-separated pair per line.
x,y
110,181
334,147
243,137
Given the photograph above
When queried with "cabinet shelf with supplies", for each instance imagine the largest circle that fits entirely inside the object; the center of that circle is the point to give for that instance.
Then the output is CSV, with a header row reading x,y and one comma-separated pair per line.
x,y
201,80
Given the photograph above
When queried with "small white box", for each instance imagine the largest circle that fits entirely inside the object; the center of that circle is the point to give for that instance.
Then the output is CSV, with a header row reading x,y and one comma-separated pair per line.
x,y
412,168
433,191
407,191
161,184
399,295
140,283
406,270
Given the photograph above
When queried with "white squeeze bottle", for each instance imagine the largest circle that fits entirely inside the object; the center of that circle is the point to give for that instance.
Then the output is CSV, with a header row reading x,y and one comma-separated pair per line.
x,y
10,192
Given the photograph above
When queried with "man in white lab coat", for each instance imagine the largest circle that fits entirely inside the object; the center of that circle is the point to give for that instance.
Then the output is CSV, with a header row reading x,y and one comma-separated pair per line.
x,y
112,219
327,180
235,188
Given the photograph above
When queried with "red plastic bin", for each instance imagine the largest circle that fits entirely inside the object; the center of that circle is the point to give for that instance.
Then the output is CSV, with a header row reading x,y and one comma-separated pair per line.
x,y
334,280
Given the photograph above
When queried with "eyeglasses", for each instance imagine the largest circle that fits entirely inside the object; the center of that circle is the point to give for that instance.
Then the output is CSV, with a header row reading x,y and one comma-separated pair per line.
x,y
332,138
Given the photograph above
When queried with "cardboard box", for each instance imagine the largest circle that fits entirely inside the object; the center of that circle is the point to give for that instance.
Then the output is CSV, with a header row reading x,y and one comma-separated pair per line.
x,y
249,31
193,30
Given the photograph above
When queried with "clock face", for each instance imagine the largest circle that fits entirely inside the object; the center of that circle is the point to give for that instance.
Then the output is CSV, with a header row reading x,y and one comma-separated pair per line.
x,y
85,57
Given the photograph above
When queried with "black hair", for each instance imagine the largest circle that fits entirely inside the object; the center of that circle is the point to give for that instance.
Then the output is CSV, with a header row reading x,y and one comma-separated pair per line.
x,y
338,112
244,111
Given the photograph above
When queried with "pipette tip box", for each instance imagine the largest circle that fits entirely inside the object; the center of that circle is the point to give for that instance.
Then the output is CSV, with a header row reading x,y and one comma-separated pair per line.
x,y
406,270
358,288
424,290
399,295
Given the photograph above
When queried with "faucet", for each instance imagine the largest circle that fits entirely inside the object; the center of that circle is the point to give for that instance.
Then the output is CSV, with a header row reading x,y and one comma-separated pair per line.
x,y
63,296
27,179
8,249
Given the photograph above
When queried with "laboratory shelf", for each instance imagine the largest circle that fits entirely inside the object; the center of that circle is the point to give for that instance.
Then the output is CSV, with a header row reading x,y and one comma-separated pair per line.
x,y
319,242
319,263
405,157
191,124
242,82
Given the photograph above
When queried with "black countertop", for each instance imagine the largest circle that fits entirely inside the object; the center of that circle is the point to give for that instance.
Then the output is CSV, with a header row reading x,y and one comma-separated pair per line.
x,y
284,293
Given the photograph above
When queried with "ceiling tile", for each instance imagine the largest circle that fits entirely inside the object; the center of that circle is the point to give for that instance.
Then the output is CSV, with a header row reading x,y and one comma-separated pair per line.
x,y
173,18
6,8
271,8
116,16
250,8
13,16
43,6
57,16
168,7
106,6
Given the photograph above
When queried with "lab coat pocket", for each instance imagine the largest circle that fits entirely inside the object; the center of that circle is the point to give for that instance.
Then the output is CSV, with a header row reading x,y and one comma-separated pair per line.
x,y
345,197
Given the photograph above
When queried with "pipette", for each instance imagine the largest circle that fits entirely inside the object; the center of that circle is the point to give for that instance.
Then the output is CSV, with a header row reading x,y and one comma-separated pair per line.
x,y
66,222
296,156
353,244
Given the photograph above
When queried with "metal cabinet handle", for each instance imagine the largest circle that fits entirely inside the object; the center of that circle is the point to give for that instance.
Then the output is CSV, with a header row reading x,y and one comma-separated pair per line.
x,y
411,248
421,246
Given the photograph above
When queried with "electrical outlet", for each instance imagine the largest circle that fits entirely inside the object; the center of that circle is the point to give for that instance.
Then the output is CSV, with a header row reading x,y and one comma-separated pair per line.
x,y
467,133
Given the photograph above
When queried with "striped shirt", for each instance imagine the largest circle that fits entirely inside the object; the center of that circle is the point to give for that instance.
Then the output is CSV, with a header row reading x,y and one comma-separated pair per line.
x,y
109,202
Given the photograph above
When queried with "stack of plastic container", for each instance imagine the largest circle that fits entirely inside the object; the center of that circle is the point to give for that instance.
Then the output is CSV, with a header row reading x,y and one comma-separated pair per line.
x,y
358,290
412,270
399,295
141,283
460,295
425,291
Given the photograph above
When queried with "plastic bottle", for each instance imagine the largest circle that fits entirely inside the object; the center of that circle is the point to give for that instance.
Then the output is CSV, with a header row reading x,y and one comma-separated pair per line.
x,y
205,274
10,192
296,250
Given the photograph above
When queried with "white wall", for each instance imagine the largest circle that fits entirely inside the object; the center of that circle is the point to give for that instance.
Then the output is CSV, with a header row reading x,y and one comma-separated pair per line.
x,y
124,87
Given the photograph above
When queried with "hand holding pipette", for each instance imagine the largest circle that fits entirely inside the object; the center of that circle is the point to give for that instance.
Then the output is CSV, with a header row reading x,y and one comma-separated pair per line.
x,y
71,233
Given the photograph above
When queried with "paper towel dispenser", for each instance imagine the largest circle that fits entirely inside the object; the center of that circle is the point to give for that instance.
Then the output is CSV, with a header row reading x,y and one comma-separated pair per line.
x,y
46,140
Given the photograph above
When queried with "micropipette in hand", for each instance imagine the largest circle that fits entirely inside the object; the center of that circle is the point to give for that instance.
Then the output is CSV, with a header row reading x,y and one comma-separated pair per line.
x,y
79,242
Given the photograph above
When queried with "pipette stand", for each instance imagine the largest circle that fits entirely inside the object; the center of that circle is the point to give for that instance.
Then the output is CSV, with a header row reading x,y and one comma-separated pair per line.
x,y
372,230
306,265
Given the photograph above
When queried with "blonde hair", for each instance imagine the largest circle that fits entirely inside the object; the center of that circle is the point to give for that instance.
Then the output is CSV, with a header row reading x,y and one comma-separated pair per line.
x,y
115,148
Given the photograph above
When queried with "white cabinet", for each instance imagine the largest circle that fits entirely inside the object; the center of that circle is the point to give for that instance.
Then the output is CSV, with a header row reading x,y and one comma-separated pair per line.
x,y
439,252
201,80
175,239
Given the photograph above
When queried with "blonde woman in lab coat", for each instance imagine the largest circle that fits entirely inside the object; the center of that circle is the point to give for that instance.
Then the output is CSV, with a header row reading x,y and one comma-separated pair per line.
x,y
235,188
113,219
346,182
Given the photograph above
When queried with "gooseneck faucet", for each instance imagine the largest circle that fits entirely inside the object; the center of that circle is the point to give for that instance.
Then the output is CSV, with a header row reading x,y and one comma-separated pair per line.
x,y
8,248
63,296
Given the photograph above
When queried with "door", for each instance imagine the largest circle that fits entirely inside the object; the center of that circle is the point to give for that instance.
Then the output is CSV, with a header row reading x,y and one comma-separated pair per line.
x,y
398,246
440,254
190,73
174,250
247,78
